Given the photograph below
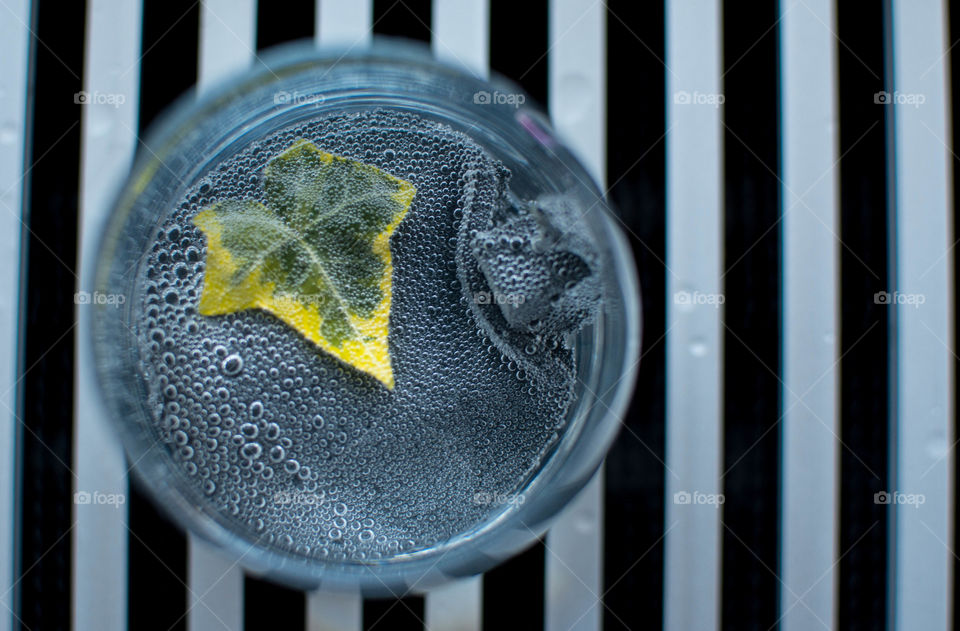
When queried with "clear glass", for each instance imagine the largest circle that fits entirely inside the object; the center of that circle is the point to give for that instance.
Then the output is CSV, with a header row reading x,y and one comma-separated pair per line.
x,y
296,84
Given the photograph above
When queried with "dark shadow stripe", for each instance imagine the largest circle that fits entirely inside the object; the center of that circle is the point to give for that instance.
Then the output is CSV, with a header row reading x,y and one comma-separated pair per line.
x,y
518,44
403,18
861,597
510,599
633,519
268,606
158,549
751,316
279,22
392,614
47,325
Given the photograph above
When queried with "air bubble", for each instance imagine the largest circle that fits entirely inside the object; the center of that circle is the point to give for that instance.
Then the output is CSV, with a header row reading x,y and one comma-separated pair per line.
x,y
232,365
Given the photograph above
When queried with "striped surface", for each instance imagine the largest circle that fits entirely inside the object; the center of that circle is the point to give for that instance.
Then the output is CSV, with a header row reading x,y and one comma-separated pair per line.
x,y
784,172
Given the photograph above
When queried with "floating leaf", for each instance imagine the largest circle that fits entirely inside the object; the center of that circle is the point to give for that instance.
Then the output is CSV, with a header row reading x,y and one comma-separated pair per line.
x,y
317,255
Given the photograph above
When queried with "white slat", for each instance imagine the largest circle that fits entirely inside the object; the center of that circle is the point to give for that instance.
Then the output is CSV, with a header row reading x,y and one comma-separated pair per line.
x,y
215,582
344,22
694,351
215,589
924,340
339,23
228,31
334,611
14,53
577,102
100,535
810,451
455,607
461,33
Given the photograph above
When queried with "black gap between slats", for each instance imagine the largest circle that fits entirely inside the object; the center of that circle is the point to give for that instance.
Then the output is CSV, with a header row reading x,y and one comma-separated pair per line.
x,y
518,44
168,66
158,548
954,34
158,567
513,592
862,545
403,18
46,398
279,22
634,516
268,605
391,614
751,317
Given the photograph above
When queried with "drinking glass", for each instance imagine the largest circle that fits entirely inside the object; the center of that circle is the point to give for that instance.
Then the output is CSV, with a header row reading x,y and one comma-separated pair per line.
x,y
299,83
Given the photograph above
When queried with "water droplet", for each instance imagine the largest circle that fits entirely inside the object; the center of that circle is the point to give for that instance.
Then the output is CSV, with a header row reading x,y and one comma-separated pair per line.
x,y
698,348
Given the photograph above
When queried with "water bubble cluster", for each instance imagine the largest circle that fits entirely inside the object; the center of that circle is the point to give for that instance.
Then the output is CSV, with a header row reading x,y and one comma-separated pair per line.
x,y
538,261
293,448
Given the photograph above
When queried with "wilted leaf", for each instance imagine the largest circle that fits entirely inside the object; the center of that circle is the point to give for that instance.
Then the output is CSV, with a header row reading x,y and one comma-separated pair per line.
x,y
317,255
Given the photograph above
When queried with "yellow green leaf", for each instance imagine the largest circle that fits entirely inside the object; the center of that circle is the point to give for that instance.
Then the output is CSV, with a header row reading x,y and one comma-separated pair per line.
x,y
316,255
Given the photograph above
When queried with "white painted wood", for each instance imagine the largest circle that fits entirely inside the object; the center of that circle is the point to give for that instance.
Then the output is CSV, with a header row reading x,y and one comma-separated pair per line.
x,y
811,225
457,606
227,38
340,23
461,33
215,594
694,437
344,22
227,45
923,562
335,611
14,59
574,563
100,535
577,102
